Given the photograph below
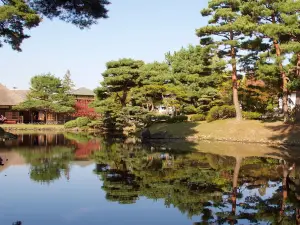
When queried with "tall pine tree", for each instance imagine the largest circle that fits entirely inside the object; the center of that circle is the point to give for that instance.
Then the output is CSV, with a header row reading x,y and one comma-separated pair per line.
x,y
227,25
276,22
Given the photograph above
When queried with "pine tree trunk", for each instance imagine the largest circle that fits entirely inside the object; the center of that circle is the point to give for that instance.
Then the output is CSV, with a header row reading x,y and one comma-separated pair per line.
x,y
235,85
237,167
284,84
284,79
297,103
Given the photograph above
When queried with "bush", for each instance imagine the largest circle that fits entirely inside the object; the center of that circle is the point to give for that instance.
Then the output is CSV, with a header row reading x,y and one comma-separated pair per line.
x,y
70,124
220,112
198,117
252,115
82,121
190,109
177,119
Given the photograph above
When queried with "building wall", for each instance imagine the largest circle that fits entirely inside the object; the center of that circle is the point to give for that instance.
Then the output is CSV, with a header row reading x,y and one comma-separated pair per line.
x,y
291,101
82,106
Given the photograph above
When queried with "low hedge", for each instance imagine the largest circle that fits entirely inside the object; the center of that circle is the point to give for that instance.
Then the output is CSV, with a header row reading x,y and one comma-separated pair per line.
x,y
252,115
70,124
220,112
177,119
198,117
79,122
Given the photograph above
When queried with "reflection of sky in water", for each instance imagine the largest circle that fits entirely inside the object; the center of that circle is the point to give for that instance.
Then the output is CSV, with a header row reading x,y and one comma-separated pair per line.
x,y
271,188
79,201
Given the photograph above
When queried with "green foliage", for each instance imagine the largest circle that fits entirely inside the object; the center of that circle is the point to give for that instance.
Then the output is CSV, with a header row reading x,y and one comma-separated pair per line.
x,y
220,112
70,124
18,15
49,94
189,109
252,115
198,117
177,119
82,121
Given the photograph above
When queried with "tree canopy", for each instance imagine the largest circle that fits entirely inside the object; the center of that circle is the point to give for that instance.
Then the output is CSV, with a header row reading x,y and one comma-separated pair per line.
x,y
49,94
18,15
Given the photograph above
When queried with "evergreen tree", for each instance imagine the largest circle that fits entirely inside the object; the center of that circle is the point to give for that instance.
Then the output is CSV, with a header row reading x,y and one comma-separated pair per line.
x,y
115,103
67,82
276,22
198,72
47,94
153,85
229,26
18,15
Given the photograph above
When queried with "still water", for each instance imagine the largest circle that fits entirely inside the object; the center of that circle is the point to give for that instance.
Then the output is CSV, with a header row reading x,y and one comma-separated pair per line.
x,y
79,179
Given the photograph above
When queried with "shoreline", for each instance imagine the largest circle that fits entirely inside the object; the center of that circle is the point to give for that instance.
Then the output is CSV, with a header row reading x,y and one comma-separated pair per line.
x,y
32,127
248,131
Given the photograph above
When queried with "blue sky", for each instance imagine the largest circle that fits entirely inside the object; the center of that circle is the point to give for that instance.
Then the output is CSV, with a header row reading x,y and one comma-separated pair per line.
x,y
138,29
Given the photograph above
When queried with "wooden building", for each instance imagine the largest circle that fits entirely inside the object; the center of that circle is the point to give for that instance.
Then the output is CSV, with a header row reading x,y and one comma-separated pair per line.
x,y
10,98
83,97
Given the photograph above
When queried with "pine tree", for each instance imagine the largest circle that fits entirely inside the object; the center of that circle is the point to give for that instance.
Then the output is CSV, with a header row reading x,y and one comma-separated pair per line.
x,y
67,82
276,22
197,73
19,15
229,26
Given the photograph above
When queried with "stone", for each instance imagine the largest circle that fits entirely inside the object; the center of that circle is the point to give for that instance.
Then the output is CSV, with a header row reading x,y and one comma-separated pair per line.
x,y
146,134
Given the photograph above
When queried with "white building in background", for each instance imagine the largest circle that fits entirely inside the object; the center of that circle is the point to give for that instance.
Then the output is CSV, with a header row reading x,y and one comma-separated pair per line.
x,y
291,101
163,110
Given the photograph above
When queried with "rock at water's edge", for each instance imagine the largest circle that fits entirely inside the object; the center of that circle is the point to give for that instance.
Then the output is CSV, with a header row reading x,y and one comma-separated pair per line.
x,y
146,134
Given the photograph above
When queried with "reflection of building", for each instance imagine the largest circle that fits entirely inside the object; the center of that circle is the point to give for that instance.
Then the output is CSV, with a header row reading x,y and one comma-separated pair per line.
x,y
85,150
11,158
10,98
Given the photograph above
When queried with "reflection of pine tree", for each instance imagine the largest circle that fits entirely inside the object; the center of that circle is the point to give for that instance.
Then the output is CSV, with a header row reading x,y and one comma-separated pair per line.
x,y
195,183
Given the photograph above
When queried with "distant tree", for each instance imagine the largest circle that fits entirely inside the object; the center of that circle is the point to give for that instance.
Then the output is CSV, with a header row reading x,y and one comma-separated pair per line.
x,y
18,15
67,82
47,94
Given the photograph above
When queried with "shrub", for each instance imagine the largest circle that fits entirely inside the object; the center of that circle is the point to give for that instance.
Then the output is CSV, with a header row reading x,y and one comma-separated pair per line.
x,y
220,112
70,124
252,115
177,119
82,121
198,117
190,109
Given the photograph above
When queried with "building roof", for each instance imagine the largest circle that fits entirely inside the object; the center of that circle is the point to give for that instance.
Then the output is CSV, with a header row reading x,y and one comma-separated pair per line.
x,y
9,97
21,93
82,91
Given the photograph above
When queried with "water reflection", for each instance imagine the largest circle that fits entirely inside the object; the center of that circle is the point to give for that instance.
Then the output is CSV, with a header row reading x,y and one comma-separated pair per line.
x,y
243,184
49,155
219,189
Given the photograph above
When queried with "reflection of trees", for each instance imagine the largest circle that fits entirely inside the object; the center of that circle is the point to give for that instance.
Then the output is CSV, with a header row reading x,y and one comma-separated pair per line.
x,y
211,186
187,182
47,163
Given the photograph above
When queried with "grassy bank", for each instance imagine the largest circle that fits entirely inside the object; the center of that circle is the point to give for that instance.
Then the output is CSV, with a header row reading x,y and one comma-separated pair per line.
x,y
34,127
232,130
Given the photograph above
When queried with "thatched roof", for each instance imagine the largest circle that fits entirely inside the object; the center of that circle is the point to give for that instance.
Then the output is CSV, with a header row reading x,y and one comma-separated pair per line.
x,y
11,97
83,92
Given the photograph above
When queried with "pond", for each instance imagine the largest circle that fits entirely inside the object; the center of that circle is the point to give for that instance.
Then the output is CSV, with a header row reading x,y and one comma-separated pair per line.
x,y
80,179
